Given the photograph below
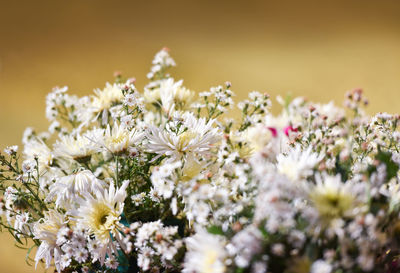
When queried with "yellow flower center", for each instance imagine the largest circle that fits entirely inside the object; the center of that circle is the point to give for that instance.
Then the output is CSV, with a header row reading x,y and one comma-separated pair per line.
x,y
184,139
209,261
332,203
102,221
118,139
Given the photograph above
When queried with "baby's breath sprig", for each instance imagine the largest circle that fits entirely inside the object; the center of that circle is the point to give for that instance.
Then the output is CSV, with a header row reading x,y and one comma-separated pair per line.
x,y
215,102
254,109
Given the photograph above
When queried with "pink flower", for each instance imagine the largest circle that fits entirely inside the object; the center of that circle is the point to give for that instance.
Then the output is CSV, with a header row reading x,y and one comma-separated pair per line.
x,y
273,131
289,129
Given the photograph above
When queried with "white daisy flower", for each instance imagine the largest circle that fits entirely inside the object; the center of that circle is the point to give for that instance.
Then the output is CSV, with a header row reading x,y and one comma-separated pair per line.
x,y
332,198
194,136
174,96
105,98
297,163
79,148
169,95
67,188
206,253
46,231
99,214
119,138
36,148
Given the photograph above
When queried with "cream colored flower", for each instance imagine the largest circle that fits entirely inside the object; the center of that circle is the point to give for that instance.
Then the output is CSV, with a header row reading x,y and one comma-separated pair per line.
x,y
332,198
297,163
170,96
197,138
254,139
79,148
119,138
100,215
46,231
206,254
67,188
105,98
36,148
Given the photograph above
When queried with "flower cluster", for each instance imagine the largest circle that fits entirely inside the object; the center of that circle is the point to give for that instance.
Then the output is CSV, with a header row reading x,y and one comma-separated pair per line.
x,y
164,180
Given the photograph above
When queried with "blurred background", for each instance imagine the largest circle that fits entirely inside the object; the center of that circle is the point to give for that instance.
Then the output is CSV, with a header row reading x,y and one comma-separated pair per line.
x,y
318,49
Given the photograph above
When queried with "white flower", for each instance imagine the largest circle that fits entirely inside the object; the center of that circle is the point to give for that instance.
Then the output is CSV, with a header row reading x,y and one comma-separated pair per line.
x,y
196,136
321,266
246,244
81,255
105,98
169,95
22,223
53,99
36,148
297,163
111,262
10,150
144,258
163,58
46,231
132,99
253,139
161,61
174,96
331,197
330,111
119,138
206,253
79,148
161,179
99,214
68,188
155,241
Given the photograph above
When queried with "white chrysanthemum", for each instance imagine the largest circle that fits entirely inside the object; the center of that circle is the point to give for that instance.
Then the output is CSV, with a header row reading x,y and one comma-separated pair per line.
x,y
79,148
331,197
253,139
36,148
99,214
197,137
151,95
205,253
297,163
258,137
67,188
46,231
105,98
119,138
172,95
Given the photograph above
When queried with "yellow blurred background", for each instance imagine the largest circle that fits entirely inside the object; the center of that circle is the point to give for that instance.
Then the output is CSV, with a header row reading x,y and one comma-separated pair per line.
x,y
318,49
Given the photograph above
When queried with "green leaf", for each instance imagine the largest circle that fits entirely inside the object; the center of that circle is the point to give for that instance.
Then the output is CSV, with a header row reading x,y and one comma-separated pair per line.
x,y
215,230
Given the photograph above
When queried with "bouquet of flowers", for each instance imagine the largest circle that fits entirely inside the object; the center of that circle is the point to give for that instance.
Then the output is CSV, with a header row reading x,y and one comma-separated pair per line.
x,y
164,180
